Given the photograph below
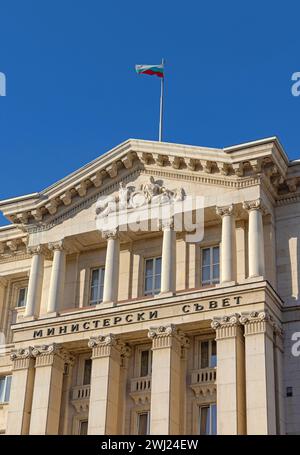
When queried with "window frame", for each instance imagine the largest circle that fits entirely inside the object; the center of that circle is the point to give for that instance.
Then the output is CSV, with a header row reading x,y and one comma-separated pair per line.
x,y
102,272
25,297
211,281
210,342
153,291
209,407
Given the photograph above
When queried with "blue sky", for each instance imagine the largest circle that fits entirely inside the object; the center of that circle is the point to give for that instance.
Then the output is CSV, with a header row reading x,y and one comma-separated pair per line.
x,y
72,92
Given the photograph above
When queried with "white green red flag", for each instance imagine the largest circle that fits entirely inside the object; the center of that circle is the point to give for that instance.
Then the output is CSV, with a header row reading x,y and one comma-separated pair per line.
x,y
152,70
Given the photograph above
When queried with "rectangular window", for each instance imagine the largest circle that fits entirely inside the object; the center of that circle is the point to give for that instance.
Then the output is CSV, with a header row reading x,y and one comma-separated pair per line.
x,y
143,423
152,276
146,361
87,372
22,295
97,284
83,427
210,265
208,419
207,354
5,382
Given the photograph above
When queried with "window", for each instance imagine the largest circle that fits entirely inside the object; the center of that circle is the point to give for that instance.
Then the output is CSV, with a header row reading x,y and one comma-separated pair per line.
x,y
152,276
5,382
83,427
208,419
207,354
22,295
210,271
97,284
143,423
87,371
146,362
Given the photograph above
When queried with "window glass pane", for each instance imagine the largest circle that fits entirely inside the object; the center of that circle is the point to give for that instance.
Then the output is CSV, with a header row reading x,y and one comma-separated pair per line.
x,y
87,371
100,294
157,283
95,277
143,424
158,266
213,358
216,272
206,256
206,275
213,409
149,267
204,354
216,255
203,425
83,428
148,284
145,363
7,389
93,297
2,388
22,297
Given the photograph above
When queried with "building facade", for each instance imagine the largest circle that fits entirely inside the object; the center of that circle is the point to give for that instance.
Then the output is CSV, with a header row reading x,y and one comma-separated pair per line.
x,y
111,328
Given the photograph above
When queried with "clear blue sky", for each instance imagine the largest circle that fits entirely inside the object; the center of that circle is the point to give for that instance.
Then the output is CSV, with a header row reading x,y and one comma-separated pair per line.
x,y
72,92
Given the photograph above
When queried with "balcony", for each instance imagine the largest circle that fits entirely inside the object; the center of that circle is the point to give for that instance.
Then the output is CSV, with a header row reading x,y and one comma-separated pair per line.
x,y
140,389
203,382
80,397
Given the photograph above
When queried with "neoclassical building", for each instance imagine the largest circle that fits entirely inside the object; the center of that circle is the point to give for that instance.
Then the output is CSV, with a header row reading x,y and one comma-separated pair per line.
x,y
117,319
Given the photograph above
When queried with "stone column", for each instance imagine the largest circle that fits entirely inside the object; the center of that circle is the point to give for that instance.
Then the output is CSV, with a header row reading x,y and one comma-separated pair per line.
x,y
21,392
168,260
47,394
260,380
104,398
231,399
111,276
256,259
166,380
35,281
227,243
57,281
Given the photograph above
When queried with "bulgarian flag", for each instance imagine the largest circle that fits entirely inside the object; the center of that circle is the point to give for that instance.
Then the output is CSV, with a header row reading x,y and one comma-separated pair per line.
x,y
152,70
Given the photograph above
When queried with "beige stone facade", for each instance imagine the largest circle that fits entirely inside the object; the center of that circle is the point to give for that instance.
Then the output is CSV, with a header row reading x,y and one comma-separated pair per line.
x,y
128,331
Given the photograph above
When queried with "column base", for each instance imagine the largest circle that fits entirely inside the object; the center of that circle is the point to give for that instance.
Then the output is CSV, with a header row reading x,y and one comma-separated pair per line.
x,y
164,294
102,305
29,318
50,315
226,284
253,279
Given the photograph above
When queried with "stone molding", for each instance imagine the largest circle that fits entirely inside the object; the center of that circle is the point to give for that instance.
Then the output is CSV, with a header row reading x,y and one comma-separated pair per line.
x,y
260,322
255,204
38,249
22,358
113,234
52,354
108,345
57,246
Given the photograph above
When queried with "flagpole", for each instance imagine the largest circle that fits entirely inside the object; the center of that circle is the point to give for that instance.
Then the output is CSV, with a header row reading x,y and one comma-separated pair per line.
x,y
161,104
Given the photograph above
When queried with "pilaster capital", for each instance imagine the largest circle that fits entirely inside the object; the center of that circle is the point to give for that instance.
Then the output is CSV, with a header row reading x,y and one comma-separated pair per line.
x,y
22,358
258,322
57,246
255,204
111,234
51,354
104,346
226,210
227,326
167,336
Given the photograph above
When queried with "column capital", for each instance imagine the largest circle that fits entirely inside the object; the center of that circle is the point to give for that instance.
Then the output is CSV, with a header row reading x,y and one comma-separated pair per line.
x,y
38,249
47,354
22,358
111,234
258,322
225,210
227,326
166,223
255,204
57,246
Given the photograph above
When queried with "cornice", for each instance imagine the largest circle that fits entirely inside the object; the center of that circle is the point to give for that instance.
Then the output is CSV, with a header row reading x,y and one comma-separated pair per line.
x,y
237,167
